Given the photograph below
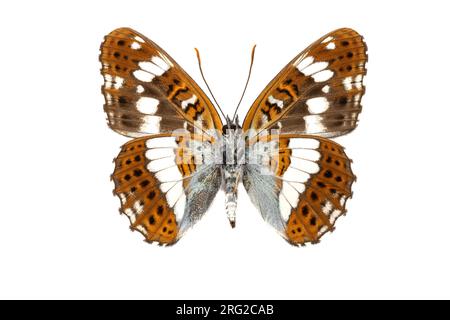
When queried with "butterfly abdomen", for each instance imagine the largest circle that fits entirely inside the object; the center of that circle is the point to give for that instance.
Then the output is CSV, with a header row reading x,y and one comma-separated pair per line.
x,y
231,176
233,160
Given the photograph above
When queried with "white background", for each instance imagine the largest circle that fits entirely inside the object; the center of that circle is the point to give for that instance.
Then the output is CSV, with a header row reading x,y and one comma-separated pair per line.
x,y
60,232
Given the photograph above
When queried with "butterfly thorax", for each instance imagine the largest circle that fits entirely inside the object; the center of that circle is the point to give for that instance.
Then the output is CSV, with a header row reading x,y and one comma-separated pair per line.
x,y
233,161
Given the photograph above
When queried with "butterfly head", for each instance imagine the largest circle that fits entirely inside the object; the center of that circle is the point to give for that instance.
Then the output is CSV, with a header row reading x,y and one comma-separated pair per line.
x,y
231,126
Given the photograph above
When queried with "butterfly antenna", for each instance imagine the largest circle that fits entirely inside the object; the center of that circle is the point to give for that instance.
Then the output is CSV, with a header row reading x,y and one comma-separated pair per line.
x,y
246,84
209,89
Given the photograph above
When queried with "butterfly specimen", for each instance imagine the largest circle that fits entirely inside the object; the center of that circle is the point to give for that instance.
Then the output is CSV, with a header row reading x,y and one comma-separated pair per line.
x,y
182,154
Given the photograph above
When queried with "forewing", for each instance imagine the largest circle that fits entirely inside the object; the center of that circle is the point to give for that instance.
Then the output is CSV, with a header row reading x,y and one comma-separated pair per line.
x,y
146,91
165,183
319,92
299,183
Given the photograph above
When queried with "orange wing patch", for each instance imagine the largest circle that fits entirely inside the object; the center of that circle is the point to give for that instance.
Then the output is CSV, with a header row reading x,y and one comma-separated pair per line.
x,y
146,91
151,177
324,198
282,160
318,92
189,154
141,198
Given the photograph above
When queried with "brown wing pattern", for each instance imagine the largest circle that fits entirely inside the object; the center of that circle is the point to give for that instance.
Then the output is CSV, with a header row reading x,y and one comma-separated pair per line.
x,y
309,179
151,178
318,92
325,193
146,91
166,182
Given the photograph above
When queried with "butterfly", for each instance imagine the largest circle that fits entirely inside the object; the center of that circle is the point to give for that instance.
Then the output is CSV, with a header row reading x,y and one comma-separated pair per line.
x,y
182,153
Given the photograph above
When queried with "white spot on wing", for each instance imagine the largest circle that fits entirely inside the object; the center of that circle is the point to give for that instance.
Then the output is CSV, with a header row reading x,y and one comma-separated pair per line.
x,y
108,81
313,124
347,82
326,89
158,165
138,207
331,46
174,193
191,100
308,154
143,75
151,124
161,142
151,67
141,228
293,174
199,122
164,187
118,82
317,105
334,215
358,81
169,174
300,187
285,208
264,118
147,105
160,63
135,45
322,230
304,165
273,100
130,214
137,38
356,99
303,63
327,208
306,143
139,89
327,39
315,67
159,153
290,193
323,75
